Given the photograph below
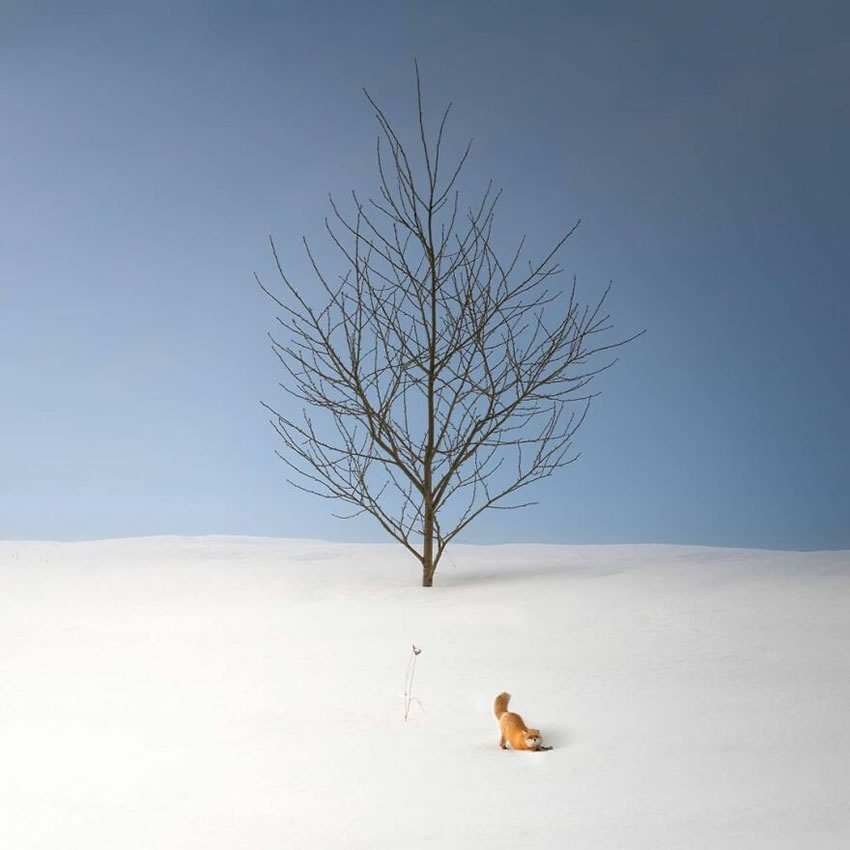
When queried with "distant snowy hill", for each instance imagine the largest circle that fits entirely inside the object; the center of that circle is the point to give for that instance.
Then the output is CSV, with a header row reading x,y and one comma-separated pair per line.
x,y
180,693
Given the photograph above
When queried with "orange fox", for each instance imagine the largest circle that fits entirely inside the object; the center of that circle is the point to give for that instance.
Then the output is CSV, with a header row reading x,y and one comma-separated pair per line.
x,y
512,728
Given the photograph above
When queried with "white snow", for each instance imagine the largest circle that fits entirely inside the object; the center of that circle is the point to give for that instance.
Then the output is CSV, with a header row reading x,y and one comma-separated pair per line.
x,y
231,692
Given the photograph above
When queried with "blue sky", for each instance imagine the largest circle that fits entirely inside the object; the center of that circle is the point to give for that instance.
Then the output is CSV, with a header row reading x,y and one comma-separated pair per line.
x,y
149,149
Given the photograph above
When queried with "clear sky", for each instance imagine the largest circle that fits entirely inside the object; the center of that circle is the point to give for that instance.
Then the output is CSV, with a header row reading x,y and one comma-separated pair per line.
x,y
148,149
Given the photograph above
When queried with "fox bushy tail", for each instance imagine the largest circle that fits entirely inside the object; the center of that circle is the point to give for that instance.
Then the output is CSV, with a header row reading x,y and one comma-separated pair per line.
x,y
500,706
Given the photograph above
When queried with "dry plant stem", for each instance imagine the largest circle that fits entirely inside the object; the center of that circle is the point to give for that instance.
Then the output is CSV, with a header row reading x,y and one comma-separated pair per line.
x,y
408,682
437,379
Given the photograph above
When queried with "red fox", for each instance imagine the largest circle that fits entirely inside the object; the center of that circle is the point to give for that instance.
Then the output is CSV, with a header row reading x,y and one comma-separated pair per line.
x,y
513,729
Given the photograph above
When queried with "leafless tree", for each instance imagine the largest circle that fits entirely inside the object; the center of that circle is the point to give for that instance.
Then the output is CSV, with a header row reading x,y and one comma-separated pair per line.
x,y
437,380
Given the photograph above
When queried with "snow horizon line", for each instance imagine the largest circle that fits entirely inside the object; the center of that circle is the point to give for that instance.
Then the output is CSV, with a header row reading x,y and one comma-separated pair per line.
x,y
225,537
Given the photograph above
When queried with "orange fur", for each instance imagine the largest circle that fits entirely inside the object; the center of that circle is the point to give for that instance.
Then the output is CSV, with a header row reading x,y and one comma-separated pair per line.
x,y
512,728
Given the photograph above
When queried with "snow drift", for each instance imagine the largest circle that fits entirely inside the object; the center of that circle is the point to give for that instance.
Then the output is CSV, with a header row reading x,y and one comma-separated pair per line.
x,y
231,692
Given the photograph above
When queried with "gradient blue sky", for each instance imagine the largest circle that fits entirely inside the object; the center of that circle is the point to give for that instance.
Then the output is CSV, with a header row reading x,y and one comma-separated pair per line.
x,y
147,150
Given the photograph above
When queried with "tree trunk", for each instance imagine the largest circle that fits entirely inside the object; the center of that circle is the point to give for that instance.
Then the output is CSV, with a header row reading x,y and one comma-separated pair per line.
x,y
427,576
428,546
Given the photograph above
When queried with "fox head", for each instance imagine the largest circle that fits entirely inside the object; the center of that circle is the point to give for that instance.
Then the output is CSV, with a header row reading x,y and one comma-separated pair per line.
x,y
533,739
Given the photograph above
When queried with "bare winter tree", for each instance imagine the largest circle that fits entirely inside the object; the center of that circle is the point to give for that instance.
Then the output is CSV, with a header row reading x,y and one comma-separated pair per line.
x,y
437,380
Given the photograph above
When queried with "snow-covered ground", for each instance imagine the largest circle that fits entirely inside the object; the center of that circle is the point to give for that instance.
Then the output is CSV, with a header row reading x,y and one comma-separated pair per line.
x,y
244,693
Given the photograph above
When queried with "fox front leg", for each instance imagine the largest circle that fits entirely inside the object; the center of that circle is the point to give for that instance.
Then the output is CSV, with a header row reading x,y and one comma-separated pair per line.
x,y
502,742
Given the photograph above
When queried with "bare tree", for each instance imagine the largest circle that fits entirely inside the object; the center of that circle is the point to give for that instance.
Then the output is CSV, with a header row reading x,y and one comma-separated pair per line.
x,y
438,380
